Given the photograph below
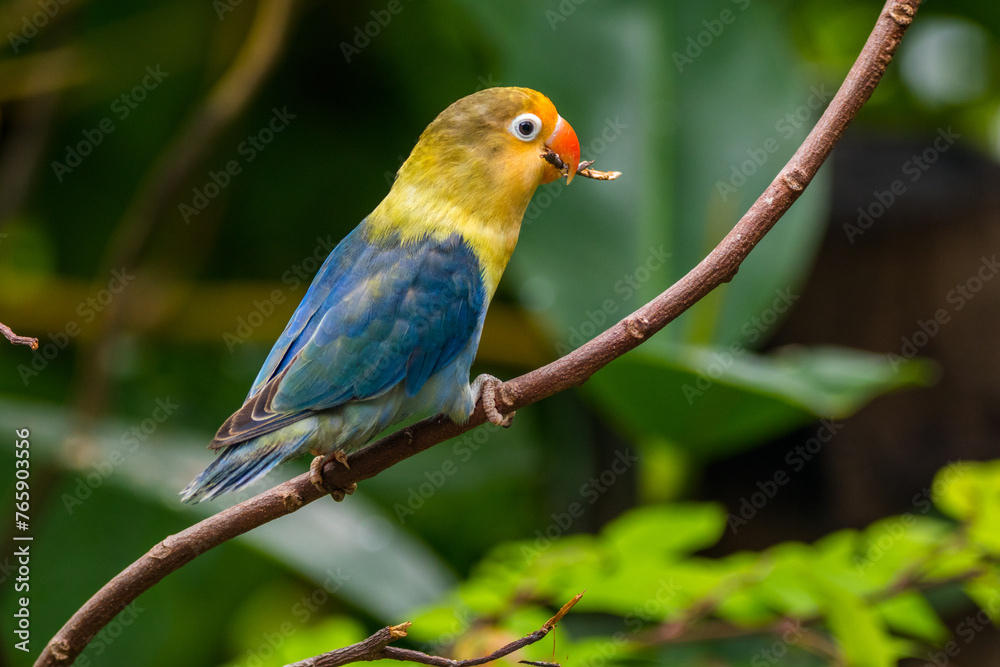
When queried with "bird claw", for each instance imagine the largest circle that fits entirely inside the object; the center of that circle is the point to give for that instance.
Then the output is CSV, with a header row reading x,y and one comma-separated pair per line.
x,y
316,475
340,494
341,456
486,387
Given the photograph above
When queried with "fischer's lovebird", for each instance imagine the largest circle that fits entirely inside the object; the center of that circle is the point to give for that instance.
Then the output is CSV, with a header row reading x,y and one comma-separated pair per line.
x,y
391,323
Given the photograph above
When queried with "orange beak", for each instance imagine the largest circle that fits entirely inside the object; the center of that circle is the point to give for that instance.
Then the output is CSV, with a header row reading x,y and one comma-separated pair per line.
x,y
563,142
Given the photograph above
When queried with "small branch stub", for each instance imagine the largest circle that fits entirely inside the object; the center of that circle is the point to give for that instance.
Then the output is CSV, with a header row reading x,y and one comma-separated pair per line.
x,y
794,179
637,327
399,631
902,14
552,622
18,340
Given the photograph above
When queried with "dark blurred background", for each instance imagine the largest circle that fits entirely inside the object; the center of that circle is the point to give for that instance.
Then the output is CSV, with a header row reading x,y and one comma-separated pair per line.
x,y
173,173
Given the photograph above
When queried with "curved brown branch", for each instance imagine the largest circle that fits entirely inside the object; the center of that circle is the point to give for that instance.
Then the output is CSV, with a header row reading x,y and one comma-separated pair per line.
x,y
571,370
377,647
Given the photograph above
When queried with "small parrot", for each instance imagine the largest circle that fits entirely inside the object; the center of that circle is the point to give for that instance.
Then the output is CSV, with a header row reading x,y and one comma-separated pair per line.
x,y
390,325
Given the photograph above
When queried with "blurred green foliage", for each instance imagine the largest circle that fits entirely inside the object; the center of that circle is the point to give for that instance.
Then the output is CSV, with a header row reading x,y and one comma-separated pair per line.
x,y
699,104
853,597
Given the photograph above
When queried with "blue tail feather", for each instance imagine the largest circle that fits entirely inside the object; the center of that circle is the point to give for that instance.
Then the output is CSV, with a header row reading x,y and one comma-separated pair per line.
x,y
239,466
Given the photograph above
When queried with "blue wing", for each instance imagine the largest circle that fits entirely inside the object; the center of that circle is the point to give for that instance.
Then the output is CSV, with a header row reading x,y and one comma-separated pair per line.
x,y
376,315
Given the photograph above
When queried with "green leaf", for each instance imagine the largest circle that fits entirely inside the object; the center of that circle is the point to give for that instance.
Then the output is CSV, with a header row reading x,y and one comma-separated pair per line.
x,y
897,544
745,607
971,492
910,613
441,623
985,591
677,393
665,532
859,630
644,575
957,489
786,588
955,558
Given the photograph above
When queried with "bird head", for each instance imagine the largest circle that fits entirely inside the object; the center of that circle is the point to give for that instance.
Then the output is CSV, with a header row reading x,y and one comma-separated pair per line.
x,y
474,171
534,130
507,140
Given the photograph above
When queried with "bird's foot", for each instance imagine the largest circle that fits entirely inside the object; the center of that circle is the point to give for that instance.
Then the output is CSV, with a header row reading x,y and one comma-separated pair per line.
x,y
485,387
316,475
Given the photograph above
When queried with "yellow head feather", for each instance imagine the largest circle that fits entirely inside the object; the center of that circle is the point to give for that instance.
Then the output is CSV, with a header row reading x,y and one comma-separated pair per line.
x,y
470,174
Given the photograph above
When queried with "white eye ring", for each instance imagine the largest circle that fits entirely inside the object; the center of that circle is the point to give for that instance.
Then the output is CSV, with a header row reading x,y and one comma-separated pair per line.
x,y
526,126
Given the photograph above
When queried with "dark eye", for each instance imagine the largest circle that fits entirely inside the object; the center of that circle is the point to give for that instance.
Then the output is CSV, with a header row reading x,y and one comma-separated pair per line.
x,y
526,126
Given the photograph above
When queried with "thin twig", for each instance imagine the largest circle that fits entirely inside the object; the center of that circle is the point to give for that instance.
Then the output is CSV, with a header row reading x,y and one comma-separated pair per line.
x,y
18,340
377,647
585,171
571,370
370,649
